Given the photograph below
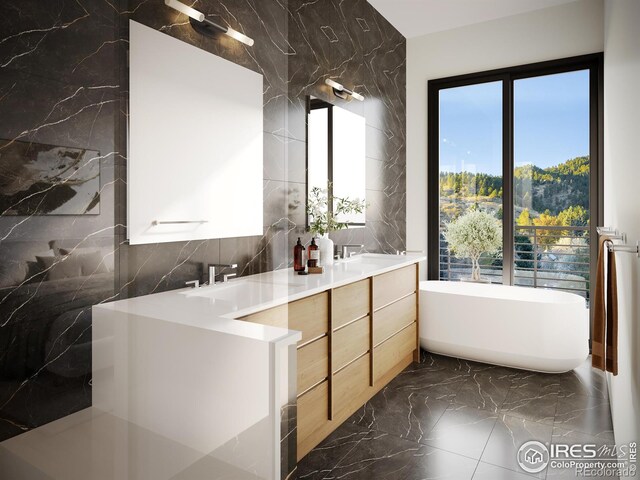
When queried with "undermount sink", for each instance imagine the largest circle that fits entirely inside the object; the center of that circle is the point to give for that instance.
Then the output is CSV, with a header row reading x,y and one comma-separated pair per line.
x,y
245,287
363,257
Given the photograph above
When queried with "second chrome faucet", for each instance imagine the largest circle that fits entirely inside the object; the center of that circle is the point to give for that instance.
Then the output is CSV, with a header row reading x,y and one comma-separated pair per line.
x,y
212,268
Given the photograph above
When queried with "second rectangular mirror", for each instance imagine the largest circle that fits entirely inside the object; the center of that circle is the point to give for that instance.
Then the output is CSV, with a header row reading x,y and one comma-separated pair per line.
x,y
336,154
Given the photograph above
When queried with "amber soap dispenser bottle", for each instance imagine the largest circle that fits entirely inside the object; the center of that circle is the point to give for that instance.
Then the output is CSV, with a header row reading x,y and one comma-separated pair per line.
x,y
298,257
314,254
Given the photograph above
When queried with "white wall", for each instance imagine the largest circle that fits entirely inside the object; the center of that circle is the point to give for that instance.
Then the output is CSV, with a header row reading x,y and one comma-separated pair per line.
x,y
552,33
622,200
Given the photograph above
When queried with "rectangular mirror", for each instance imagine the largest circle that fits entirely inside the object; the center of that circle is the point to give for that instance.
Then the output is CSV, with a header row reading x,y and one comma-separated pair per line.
x,y
195,143
336,154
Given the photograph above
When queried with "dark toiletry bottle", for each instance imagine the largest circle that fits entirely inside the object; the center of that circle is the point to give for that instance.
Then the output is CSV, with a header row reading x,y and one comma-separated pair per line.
x,y
298,257
314,254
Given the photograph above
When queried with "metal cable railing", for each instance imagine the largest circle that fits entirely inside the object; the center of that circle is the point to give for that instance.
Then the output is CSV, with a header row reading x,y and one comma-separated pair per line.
x,y
555,257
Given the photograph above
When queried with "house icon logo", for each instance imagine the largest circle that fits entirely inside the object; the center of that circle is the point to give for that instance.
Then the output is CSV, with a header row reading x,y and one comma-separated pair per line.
x,y
533,457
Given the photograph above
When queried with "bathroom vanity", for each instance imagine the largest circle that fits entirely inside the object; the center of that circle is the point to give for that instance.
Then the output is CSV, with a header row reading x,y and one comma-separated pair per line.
x,y
356,337
241,357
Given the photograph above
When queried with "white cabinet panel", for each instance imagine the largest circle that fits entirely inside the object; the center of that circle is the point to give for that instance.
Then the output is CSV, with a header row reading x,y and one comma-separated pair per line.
x,y
195,143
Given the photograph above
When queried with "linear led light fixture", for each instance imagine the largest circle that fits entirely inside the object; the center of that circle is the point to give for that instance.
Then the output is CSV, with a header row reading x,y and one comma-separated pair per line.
x,y
203,25
341,92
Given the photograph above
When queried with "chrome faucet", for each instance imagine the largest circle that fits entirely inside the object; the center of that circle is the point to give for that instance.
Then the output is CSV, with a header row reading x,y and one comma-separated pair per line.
x,y
345,249
225,278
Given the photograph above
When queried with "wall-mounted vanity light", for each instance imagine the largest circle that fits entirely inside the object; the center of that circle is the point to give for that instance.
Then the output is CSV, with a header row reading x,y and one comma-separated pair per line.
x,y
205,26
342,92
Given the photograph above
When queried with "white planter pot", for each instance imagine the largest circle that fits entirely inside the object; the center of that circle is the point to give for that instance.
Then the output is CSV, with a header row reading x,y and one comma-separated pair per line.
x,y
325,244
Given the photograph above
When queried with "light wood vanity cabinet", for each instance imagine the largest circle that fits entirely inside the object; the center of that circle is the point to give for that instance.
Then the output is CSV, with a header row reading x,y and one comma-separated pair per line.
x,y
355,339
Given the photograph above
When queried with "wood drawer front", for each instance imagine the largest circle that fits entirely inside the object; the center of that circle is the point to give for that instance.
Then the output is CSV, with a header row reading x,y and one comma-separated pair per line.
x,y
350,342
350,302
313,364
313,410
390,353
394,285
391,319
275,317
349,385
310,316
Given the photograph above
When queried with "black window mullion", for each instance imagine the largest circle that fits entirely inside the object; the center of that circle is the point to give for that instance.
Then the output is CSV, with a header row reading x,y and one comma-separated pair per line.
x,y
507,181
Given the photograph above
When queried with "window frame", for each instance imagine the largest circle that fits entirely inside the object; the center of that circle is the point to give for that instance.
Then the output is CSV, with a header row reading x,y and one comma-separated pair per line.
x,y
591,62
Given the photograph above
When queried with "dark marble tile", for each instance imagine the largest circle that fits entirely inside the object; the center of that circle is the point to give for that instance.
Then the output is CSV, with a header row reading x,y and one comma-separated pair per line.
x,y
403,413
590,415
584,380
440,384
436,463
508,435
542,382
442,362
486,471
383,456
160,267
386,236
486,390
322,459
463,430
527,401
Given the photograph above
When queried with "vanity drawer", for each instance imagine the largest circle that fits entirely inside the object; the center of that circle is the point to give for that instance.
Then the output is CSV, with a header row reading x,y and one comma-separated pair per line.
x,y
392,286
350,342
275,317
391,319
310,316
313,412
313,364
350,302
349,386
388,354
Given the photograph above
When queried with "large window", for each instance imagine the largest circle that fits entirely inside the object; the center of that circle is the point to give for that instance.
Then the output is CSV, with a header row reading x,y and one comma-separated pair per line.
x,y
522,144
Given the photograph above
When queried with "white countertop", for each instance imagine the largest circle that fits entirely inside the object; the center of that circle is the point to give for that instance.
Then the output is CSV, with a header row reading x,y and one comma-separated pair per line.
x,y
217,307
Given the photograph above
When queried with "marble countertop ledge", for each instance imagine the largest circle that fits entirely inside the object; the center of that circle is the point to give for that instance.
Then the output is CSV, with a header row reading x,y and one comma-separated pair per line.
x,y
217,307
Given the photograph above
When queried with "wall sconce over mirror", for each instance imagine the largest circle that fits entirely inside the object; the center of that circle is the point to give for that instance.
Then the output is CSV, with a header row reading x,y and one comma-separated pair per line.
x,y
341,91
206,27
336,154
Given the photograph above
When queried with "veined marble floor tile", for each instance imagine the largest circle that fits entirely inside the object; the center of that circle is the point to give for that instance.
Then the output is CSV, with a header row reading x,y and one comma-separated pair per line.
x,y
486,390
438,417
508,435
385,457
462,430
590,415
442,384
401,412
526,401
320,461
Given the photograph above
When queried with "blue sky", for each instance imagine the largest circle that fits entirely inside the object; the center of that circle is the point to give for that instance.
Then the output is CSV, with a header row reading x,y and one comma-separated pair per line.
x,y
551,123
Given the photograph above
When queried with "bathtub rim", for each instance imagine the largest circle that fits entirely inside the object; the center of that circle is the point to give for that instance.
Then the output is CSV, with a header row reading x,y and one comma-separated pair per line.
x,y
481,289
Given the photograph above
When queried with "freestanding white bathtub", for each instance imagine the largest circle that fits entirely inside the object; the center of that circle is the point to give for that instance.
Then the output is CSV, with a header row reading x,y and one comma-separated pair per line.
x,y
532,329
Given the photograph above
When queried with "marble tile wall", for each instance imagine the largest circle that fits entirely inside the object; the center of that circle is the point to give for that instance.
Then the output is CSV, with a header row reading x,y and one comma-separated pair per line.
x,y
63,81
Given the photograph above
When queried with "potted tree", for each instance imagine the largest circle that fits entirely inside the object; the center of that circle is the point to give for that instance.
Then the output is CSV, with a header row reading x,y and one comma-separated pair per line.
x,y
472,234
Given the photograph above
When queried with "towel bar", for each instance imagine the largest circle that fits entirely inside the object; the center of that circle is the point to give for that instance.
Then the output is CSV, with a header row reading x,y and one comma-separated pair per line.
x,y
625,248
